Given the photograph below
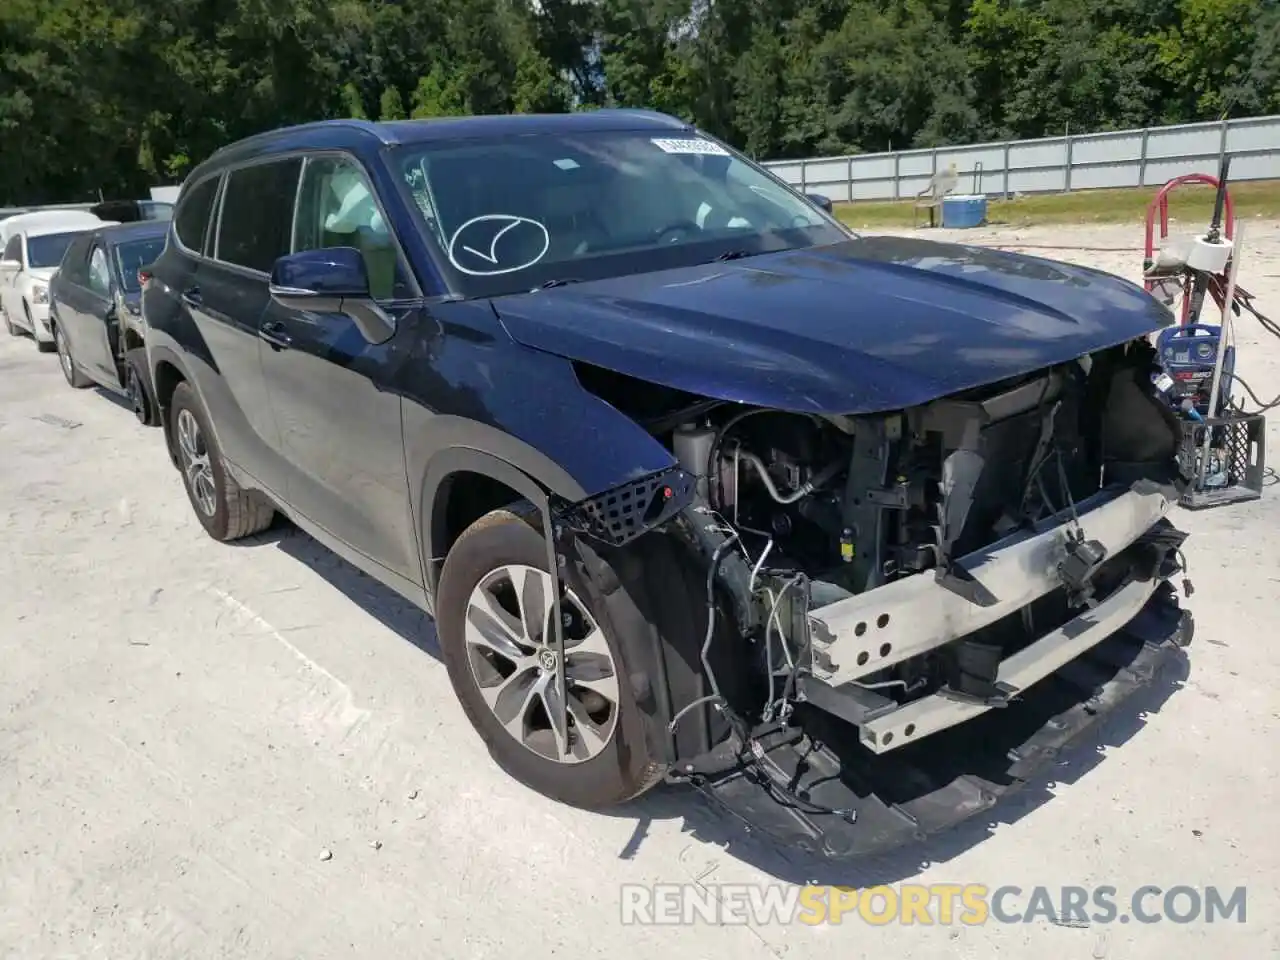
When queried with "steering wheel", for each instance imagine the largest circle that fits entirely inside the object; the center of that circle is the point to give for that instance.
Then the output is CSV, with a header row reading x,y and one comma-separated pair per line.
x,y
688,226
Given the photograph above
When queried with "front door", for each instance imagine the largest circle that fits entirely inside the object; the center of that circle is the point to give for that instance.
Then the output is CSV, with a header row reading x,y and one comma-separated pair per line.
x,y
339,424
96,322
77,309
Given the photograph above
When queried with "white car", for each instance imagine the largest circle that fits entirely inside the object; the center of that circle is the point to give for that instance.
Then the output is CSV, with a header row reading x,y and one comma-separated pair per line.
x,y
32,252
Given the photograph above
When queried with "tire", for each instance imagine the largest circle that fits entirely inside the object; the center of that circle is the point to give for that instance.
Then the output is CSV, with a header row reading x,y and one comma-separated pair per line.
x,y
12,330
224,510
140,398
621,766
41,345
69,369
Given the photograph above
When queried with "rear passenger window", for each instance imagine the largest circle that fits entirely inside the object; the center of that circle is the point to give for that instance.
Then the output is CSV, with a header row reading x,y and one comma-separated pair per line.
x,y
257,212
192,217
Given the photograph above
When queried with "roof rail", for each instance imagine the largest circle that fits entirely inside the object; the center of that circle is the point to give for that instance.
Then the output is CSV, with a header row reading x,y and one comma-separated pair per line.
x,y
367,126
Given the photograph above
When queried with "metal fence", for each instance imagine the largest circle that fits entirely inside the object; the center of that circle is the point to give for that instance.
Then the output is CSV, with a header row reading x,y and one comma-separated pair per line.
x,y
1124,158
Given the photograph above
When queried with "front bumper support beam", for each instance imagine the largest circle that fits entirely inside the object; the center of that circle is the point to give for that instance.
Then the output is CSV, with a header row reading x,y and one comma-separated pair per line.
x,y
864,634
937,782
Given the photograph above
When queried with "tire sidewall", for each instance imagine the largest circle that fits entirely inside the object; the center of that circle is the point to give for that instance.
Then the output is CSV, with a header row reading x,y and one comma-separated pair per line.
x,y
184,398
62,346
133,383
620,771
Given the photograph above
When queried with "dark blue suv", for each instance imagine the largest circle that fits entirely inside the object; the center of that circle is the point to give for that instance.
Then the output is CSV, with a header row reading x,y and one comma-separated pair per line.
x,y
693,479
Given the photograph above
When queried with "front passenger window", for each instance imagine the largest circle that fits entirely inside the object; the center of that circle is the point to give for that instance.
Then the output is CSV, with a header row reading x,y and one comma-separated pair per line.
x,y
99,273
336,208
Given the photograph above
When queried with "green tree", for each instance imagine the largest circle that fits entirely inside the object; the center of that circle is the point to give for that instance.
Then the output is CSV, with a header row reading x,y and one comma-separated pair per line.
x,y
352,105
436,97
117,95
391,105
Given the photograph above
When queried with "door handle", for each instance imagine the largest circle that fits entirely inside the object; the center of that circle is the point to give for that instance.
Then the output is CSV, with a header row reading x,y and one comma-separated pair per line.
x,y
274,332
191,297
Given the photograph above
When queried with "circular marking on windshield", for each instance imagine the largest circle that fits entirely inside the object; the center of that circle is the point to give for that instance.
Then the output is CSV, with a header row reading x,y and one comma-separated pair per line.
x,y
484,244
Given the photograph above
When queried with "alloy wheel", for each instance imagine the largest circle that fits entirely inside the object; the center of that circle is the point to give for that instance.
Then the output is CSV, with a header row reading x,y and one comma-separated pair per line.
x,y
513,658
196,466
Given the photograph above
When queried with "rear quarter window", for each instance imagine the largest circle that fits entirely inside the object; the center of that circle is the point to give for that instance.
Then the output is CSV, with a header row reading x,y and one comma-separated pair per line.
x,y
191,219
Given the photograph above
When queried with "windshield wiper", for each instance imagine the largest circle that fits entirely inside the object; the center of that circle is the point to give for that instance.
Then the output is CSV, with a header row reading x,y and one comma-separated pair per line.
x,y
560,282
730,255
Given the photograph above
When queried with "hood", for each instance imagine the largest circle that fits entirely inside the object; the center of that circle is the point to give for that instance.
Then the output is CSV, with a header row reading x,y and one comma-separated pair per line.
x,y
866,325
43,274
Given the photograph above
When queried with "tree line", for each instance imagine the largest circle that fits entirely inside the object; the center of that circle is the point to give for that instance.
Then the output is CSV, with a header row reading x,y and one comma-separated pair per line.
x,y
118,95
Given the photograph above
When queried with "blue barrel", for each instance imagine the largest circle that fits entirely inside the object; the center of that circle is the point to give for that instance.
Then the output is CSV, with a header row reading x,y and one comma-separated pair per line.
x,y
964,211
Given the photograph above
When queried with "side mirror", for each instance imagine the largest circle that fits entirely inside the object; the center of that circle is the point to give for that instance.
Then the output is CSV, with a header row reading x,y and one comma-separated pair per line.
x,y
331,280
10,266
819,200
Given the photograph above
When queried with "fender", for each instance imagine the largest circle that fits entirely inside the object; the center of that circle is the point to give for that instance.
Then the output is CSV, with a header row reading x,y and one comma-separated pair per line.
x,y
660,676
458,444
157,354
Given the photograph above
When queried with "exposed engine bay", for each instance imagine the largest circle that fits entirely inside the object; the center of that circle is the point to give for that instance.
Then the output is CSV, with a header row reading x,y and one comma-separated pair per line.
x,y
809,520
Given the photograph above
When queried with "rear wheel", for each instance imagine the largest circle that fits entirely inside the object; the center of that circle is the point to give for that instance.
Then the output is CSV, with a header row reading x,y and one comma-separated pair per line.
x,y
493,614
224,510
138,399
69,369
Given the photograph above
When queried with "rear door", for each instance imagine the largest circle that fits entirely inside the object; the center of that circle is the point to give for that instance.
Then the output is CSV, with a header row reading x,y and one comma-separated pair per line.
x,y
251,232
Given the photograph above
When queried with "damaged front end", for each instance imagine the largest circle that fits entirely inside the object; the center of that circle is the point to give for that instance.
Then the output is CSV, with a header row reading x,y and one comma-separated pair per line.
x,y
919,607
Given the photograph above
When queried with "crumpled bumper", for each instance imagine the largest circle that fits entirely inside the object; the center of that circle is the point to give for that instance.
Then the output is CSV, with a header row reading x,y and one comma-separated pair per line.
x,y
933,783
41,329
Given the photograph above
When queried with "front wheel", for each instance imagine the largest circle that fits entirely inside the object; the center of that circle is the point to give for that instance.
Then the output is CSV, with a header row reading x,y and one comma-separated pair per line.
x,y
224,510
493,614
69,369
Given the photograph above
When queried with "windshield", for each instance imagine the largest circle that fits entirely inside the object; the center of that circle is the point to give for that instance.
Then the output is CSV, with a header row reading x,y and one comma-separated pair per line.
x,y
47,251
514,213
133,255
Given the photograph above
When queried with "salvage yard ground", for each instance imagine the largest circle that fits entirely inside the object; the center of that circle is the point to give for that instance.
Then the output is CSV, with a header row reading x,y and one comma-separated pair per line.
x,y
252,751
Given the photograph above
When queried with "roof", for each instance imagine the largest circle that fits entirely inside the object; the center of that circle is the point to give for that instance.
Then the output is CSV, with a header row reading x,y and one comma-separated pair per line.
x,y
37,220
141,230
420,131
50,229
336,133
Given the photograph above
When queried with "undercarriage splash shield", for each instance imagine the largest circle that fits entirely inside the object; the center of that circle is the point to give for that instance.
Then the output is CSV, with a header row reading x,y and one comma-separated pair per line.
x,y
872,803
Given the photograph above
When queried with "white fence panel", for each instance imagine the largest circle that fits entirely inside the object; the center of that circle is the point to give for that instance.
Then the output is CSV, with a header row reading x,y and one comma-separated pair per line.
x,y
1123,158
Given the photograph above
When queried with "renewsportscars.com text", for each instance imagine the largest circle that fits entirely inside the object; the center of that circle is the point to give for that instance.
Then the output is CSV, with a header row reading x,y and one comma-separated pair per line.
x,y
929,904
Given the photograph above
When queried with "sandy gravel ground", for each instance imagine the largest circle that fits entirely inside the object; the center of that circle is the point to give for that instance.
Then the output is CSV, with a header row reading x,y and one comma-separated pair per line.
x,y
186,728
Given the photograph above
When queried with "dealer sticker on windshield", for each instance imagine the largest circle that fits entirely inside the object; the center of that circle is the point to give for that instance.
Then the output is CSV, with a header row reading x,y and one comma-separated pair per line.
x,y
690,146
